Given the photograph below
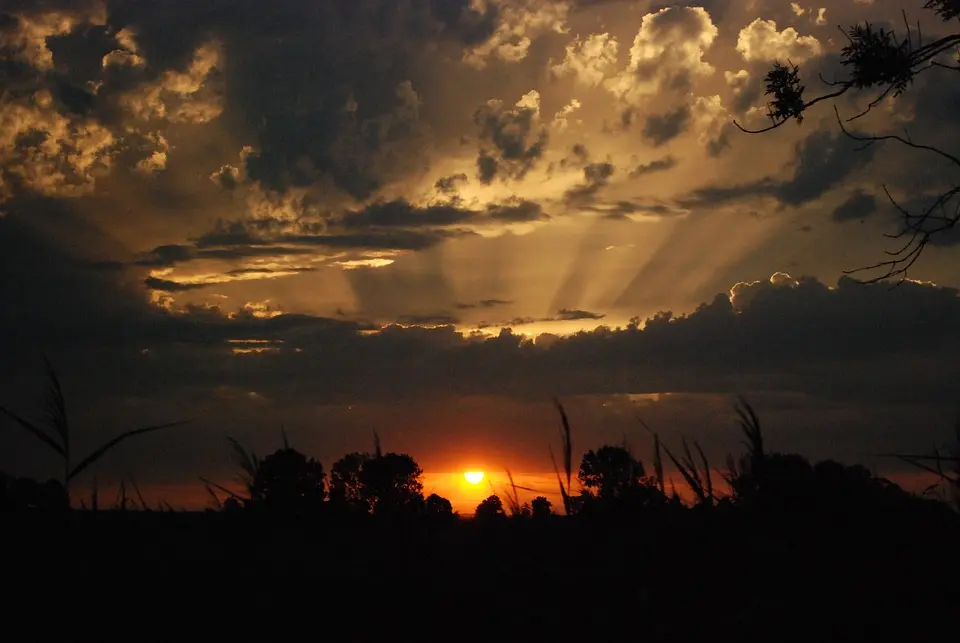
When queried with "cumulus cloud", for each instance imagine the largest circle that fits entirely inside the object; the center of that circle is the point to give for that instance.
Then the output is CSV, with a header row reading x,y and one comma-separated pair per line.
x,y
518,23
180,96
46,152
73,114
512,138
760,41
714,122
589,60
667,54
26,39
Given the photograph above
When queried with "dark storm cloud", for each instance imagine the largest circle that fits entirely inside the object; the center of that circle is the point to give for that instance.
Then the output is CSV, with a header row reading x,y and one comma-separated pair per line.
x,y
785,335
324,93
400,213
169,286
166,255
660,129
595,177
381,225
567,314
485,303
657,165
448,184
226,235
517,211
859,205
821,161
325,89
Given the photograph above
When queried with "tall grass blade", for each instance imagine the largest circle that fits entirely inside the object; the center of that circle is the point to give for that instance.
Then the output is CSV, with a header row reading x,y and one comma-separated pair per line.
x,y
751,427
706,472
121,502
513,499
378,452
57,407
658,463
690,478
248,461
99,453
214,485
34,430
286,442
566,441
563,491
217,504
136,489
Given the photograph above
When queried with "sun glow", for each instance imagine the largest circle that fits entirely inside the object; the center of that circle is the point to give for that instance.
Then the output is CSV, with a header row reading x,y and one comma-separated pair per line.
x,y
473,477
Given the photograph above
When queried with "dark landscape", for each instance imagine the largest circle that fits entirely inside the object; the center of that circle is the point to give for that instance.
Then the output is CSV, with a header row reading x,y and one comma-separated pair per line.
x,y
479,320
787,550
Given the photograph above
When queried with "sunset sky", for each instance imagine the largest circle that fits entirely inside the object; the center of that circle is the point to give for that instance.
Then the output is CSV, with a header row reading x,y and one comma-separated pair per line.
x,y
324,214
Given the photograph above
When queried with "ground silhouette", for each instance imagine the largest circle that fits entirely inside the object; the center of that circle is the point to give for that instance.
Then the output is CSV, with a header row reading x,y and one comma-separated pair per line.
x,y
782,550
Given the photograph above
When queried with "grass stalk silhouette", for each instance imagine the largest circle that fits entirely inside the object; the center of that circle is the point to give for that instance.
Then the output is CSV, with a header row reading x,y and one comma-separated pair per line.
x,y
55,432
934,463
697,476
565,440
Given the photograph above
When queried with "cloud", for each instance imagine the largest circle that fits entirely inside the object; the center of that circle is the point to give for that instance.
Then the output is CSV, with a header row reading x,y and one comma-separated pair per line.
x,y
822,161
662,128
566,314
858,205
760,41
590,60
595,177
448,184
636,210
485,303
516,210
779,334
436,319
155,283
667,54
517,24
511,138
657,165
400,213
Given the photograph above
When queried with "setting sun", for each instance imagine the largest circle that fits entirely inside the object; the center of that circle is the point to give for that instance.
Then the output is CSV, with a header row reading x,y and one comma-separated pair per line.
x,y
473,477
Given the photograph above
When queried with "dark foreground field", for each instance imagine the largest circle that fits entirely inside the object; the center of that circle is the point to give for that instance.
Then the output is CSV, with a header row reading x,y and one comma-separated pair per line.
x,y
697,576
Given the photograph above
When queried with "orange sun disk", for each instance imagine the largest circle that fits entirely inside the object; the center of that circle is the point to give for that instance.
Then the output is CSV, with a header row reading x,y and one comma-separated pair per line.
x,y
473,477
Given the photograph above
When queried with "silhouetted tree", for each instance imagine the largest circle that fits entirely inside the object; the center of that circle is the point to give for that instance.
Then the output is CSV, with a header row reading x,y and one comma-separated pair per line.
x,y
490,509
877,60
383,484
610,471
540,508
288,482
391,483
346,492
26,494
436,506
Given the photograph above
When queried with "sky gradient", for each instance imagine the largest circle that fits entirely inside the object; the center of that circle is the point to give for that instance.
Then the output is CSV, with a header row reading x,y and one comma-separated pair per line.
x,y
429,217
